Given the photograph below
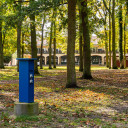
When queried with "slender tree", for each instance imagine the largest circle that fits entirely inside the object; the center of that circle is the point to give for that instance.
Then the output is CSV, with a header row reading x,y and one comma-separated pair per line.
x,y
106,42
127,7
1,43
121,36
110,56
18,43
42,40
71,73
19,34
80,42
50,46
125,34
1,47
33,37
124,43
54,42
114,66
86,37
23,44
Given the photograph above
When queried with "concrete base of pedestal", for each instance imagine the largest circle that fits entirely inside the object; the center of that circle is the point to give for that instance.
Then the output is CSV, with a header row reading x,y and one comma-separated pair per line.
x,y
29,109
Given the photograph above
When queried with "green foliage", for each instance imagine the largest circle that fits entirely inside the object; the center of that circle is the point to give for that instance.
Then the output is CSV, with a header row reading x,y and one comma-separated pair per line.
x,y
7,59
12,14
26,118
9,42
5,119
4,116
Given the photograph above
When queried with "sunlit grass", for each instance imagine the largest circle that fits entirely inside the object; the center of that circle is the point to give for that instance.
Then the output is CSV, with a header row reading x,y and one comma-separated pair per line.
x,y
93,67
98,67
10,67
8,74
73,100
92,104
81,103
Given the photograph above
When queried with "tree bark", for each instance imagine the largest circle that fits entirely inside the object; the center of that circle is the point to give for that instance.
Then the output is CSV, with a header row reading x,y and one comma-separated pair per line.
x,y
106,43
127,6
71,73
110,56
86,36
18,43
54,40
125,43
80,43
23,44
42,40
50,47
54,45
114,66
121,37
33,40
19,38
1,47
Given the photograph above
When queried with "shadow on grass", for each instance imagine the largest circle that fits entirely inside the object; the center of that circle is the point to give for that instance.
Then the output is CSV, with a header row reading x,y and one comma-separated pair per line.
x,y
68,119
111,82
6,99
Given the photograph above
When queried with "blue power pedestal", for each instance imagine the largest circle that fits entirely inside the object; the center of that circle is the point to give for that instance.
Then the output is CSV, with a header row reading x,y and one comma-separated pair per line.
x,y
26,80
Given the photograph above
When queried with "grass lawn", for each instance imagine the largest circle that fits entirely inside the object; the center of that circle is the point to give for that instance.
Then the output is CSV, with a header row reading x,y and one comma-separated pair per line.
x,y
77,67
99,103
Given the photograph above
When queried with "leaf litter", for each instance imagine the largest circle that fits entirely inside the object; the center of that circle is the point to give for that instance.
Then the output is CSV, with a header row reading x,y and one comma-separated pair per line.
x,y
100,102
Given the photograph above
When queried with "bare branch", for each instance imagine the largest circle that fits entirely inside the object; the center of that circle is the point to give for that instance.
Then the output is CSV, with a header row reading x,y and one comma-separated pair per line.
x,y
99,12
107,7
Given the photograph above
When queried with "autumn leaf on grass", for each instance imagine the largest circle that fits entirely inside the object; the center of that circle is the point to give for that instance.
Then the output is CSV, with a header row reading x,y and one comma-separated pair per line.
x,y
66,99
53,86
9,105
4,117
75,114
88,122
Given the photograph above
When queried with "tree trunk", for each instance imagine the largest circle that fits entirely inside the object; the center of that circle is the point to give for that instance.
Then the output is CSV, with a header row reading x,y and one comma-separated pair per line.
x,y
42,40
41,53
86,36
54,40
125,43
121,37
33,40
80,43
19,37
114,66
23,45
125,35
106,43
110,36
71,73
54,45
18,43
1,47
127,7
50,47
